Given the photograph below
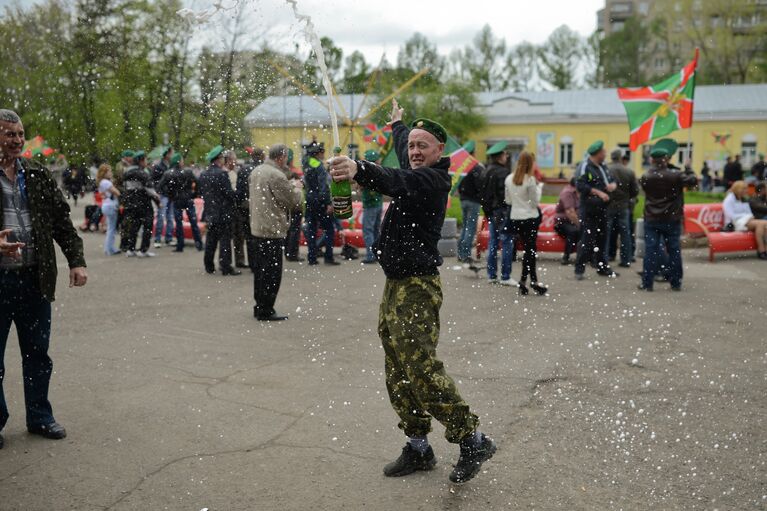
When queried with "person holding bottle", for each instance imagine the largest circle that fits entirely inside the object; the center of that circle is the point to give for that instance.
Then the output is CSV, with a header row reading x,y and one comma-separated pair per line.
x,y
408,322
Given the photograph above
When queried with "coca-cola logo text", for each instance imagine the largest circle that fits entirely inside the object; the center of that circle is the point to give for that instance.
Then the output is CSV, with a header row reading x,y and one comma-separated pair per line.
x,y
712,216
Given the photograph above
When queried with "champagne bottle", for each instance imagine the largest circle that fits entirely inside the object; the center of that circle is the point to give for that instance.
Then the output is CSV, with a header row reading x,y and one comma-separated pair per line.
x,y
342,195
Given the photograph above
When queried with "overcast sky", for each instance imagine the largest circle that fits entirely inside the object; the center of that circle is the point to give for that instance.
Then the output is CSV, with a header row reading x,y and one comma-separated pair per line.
x,y
375,27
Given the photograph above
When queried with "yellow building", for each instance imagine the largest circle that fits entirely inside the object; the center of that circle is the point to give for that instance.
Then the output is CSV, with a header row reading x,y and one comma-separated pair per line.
x,y
557,125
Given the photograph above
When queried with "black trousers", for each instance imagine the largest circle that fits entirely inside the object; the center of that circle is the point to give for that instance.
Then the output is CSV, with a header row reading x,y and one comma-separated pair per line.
x,y
571,233
267,274
294,235
240,228
219,236
593,241
526,231
134,220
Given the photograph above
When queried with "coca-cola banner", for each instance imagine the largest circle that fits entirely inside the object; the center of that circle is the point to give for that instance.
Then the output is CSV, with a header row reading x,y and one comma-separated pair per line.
x,y
710,215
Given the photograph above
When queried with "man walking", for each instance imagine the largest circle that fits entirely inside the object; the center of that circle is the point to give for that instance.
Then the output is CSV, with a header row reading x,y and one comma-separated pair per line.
x,y
470,191
179,184
165,209
594,184
419,388
216,190
138,197
663,214
619,212
272,199
239,213
497,213
33,213
319,209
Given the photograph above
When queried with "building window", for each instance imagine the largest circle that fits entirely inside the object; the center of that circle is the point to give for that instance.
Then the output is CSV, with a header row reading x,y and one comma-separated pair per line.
x,y
566,153
660,63
644,8
748,153
682,154
617,26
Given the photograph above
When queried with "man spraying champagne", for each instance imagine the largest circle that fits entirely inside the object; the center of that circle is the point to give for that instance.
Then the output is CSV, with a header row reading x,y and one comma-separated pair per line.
x,y
408,322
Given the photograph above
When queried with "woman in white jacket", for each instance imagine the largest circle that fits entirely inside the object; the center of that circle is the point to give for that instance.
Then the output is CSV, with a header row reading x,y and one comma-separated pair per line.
x,y
523,193
739,214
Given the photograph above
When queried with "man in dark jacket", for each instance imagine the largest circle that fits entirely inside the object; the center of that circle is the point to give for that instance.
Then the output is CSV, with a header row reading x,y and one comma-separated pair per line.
x,y
243,204
733,171
759,202
33,214
497,213
470,191
758,168
594,183
180,186
319,209
137,200
165,213
419,388
216,190
619,210
663,214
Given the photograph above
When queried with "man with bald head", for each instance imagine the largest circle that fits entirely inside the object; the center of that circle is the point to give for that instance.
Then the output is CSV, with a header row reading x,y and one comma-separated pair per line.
x,y
408,322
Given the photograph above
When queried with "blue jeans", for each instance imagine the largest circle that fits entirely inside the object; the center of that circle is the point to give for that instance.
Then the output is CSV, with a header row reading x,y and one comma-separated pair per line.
x,y
498,234
109,210
618,223
371,226
178,213
164,216
470,214
654,235
318,216
22,303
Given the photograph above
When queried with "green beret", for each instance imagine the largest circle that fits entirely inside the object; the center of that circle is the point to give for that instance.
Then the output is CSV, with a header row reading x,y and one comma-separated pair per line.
x,y
595,147
432,127
127,154
175,159
497,148
372,155
138,155
165,150
664,147
761,156
470,146
214,153
290,154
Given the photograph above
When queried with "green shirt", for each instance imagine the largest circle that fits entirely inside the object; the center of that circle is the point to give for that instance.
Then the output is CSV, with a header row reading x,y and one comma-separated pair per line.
x,y
371,199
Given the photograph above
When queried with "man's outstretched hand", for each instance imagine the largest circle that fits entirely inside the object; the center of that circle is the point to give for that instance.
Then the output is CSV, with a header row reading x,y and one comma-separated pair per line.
x,y
7,248
396,112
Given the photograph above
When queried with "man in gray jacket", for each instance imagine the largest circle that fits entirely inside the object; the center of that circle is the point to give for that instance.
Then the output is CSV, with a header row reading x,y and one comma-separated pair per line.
x,y
272,199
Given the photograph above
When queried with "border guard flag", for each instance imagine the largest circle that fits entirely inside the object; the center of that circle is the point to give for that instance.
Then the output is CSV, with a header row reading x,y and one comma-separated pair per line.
x,y
656,111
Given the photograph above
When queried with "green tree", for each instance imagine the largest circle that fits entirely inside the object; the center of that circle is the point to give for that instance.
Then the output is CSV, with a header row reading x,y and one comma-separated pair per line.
x,y
524,62
417,53
485,62
356,74
621,60
559,58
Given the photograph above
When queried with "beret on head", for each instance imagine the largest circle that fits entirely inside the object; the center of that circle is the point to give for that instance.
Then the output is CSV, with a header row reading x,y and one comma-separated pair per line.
x,y
595,147
470,146
432,127
175,159
138,156
664,147
497,148
128,153
372,155
214,153
166,150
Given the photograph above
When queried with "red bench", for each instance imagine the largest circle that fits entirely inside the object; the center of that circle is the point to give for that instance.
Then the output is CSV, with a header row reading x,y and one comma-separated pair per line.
x,y
548,240
707,220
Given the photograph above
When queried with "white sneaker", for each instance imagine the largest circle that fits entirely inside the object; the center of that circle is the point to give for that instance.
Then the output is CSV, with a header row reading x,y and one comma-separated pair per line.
x,y
508,282
492,281
157,244
130,253
146,254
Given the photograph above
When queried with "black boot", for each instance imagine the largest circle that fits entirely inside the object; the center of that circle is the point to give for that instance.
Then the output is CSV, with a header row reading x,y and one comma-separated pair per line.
x,y
471,459
410,461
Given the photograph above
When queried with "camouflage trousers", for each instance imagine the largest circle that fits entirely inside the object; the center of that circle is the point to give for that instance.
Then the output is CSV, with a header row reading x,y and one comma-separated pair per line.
x,y
419,388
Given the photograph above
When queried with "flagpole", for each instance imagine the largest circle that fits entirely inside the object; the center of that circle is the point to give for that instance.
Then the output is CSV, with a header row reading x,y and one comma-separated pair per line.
x,y
689,146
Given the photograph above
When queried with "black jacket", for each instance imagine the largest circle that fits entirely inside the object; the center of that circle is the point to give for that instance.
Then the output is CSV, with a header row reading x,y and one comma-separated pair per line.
x,y
178,185
139,189
243,185
158,171
494,195
216,190
472,185
411,228
627,188
593,177
664,193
